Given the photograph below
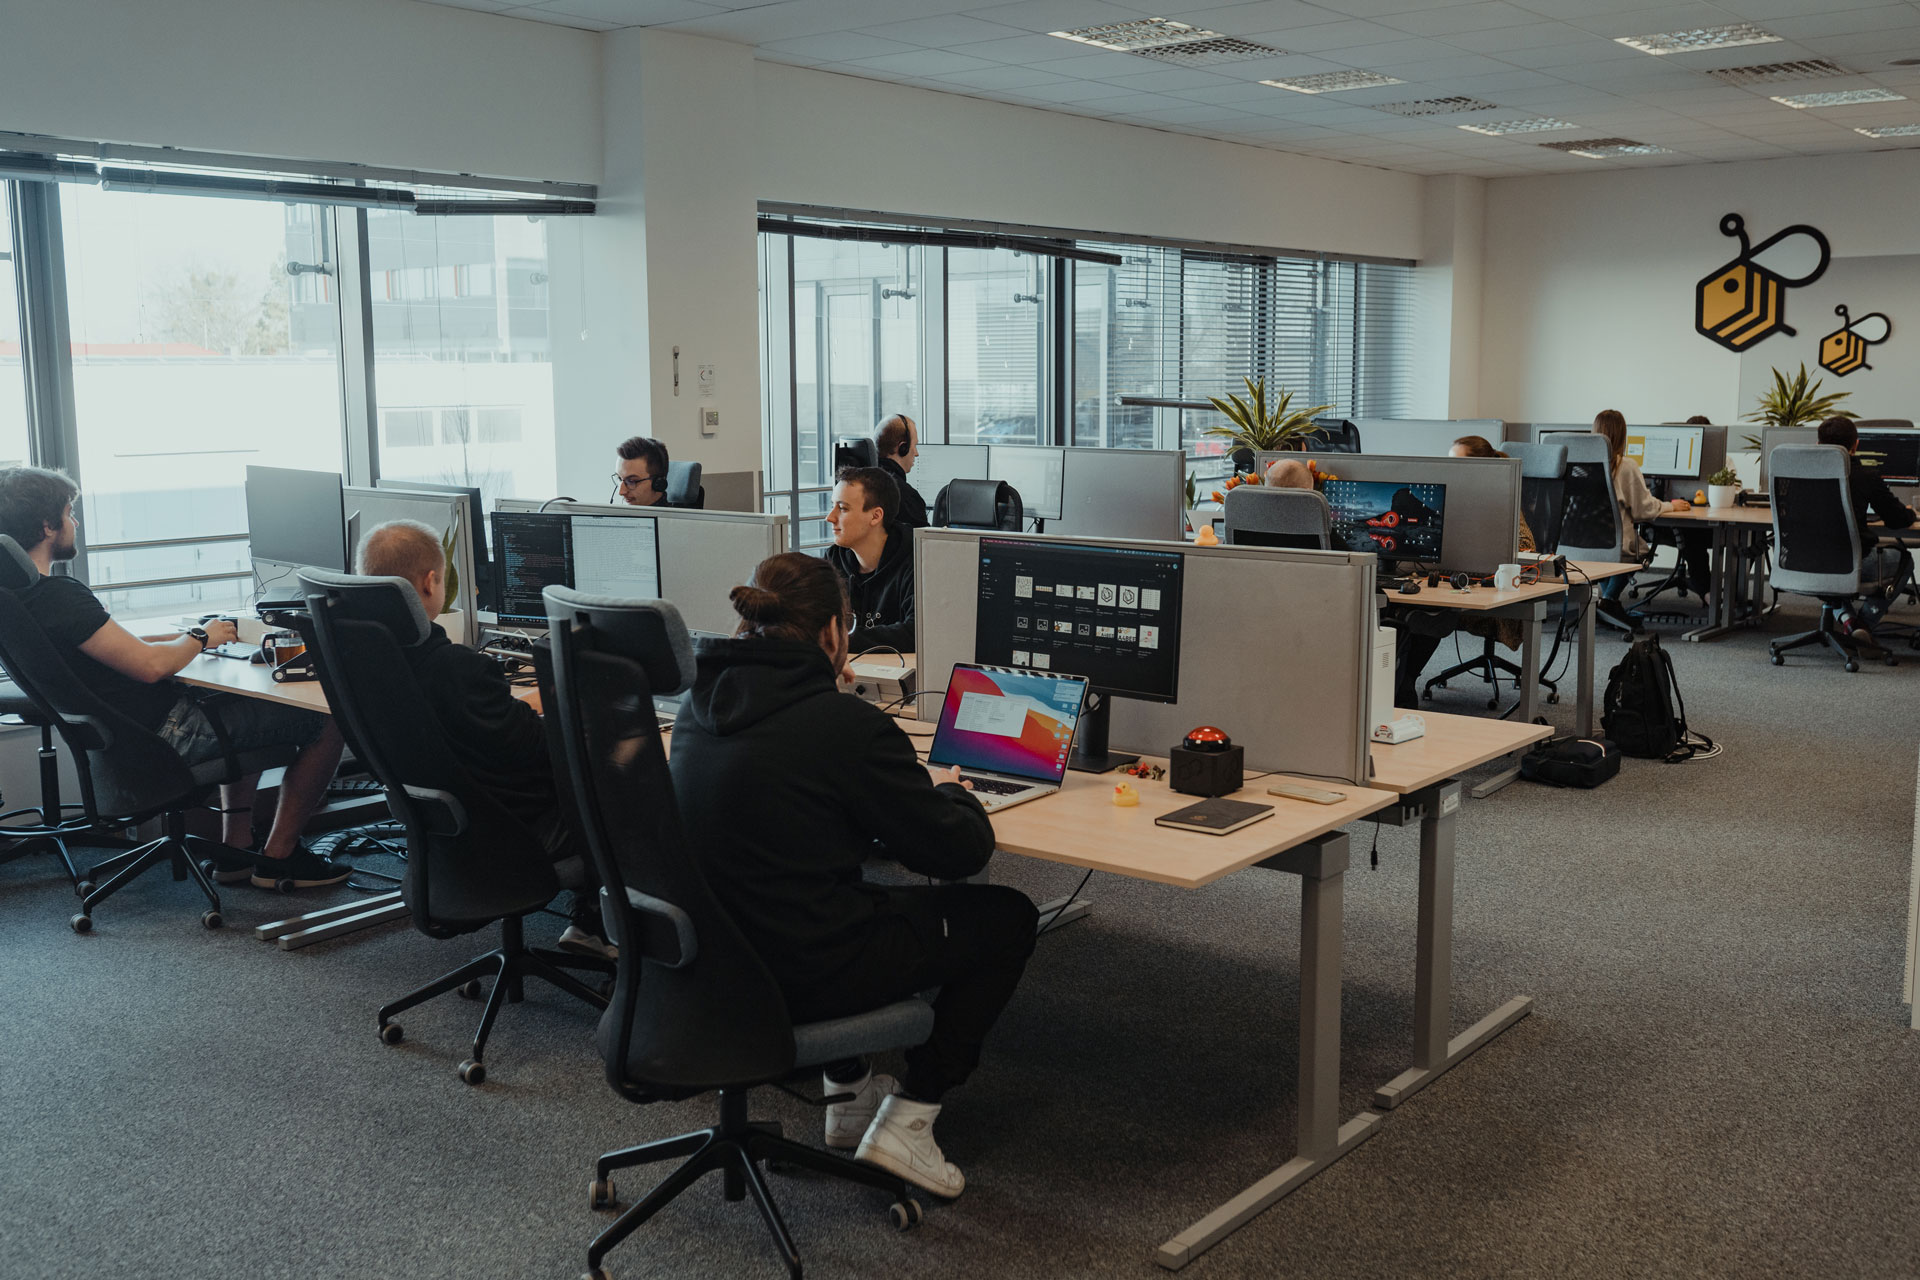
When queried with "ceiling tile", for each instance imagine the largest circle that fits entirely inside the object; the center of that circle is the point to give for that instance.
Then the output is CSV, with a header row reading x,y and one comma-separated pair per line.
x,y
1648,21
921,62
1060,15
839,46
944,32
631,13
1460,17
1322,36
1026,48
1528,35
1005,78
1169,79
1841,22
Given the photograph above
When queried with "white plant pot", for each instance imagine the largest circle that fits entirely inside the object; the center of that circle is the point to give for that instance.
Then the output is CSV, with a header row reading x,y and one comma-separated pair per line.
x,y
1721,495
454,621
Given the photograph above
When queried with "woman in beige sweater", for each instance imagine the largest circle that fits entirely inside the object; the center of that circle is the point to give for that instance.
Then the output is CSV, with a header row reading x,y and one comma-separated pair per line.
x,y
1637,503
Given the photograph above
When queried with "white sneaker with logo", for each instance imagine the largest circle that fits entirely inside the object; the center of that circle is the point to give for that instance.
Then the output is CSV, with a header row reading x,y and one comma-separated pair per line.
x,y
847,1121
900,1140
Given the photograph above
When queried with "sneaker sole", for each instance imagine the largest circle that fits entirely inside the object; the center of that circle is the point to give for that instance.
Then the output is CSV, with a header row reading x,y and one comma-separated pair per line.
x,y
882,1160
232,877
262,882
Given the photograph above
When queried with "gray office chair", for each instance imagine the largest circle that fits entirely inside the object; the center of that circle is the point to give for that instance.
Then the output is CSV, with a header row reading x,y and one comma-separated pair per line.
x,y
683,486
1817,542
1258,516
694,1010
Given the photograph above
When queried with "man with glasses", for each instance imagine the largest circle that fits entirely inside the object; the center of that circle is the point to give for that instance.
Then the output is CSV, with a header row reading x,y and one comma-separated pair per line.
x,y
641,480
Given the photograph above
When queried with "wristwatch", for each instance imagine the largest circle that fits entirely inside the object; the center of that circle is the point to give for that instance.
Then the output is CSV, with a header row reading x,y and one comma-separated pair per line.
x,y
200,634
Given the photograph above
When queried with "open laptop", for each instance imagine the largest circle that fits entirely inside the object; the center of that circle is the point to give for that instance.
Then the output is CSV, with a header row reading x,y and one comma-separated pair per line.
x,y
1009,730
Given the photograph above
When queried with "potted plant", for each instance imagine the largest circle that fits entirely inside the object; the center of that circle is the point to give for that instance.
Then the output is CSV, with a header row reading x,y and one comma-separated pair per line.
x,y
1264,428
455,620
1722,486
1790,402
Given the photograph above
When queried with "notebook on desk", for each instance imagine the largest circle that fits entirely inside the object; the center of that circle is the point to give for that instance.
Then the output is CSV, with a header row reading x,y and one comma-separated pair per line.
x,y
1009,730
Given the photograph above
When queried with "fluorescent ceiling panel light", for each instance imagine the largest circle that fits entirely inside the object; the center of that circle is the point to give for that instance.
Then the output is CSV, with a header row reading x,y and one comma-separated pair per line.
x,y
1334,82
1839,98
1132,37
1436,106
1699,38
1891,131
1500,128
1206,53
1773,72
1605,148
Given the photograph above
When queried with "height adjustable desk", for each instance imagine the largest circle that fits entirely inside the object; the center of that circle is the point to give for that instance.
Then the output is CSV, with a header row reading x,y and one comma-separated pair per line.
x,y
1736,530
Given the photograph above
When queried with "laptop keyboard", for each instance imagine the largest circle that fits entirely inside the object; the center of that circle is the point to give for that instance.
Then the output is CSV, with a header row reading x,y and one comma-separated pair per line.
x,y
995,786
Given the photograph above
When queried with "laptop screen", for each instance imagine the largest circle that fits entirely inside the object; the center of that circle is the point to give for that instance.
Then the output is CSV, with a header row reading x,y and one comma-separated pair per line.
x,y
1005,720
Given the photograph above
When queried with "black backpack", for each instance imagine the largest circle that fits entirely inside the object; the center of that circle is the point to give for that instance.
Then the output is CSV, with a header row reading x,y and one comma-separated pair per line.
x,y
1644,714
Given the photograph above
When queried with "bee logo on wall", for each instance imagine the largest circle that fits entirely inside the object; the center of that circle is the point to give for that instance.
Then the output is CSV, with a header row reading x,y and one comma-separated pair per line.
x,y
1845,349
1746,300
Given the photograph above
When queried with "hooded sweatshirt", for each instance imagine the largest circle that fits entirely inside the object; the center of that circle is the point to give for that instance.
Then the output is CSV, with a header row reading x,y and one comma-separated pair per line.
x,y
913,507
882,600
786,785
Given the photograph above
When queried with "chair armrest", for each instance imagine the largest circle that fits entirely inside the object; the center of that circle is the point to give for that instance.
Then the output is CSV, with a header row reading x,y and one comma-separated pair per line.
x,y
669,939
442,811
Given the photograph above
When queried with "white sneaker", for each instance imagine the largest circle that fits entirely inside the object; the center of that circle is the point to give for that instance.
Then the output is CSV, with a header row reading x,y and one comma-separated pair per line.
x,y
848,1121
581,943
900,1140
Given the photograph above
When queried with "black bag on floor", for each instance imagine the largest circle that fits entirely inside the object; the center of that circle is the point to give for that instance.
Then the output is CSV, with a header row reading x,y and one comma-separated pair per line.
x,y
1571,762
1644,714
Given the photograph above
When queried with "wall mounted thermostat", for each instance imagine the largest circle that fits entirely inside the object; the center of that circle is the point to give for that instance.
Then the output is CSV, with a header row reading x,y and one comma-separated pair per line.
x,y
709,421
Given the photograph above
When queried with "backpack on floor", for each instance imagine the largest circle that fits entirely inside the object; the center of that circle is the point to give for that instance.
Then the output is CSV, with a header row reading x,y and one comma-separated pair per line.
x,y
1571,762
1644,714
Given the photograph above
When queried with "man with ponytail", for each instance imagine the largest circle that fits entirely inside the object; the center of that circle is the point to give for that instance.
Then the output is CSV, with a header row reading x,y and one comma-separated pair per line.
x,y
786,788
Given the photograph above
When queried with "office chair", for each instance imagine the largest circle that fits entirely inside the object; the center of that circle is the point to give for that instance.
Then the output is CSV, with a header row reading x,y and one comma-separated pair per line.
x,y
978,504
1244,460
1818,543
470,863
50,827
1333,435
1543,469
694,1009
683,486
128,774
1592,527
855,451
1258,516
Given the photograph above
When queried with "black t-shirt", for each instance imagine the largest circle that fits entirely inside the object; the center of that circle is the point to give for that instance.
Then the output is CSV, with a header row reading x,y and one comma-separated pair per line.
x,y
69,612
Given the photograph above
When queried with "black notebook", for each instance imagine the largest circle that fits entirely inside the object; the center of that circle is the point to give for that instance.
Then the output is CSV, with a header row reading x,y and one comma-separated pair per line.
x,y
1215,817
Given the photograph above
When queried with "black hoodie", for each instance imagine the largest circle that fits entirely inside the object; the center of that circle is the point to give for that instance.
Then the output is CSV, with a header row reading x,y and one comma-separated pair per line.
x,y
882,600
785,784
913,507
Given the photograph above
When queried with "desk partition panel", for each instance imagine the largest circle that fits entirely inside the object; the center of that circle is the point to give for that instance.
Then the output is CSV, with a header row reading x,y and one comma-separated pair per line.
x,y
1123,493
1274,648
703,554
1482,516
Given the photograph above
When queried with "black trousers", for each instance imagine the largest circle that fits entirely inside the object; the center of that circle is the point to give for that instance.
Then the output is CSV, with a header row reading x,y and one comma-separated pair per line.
x,y
970,940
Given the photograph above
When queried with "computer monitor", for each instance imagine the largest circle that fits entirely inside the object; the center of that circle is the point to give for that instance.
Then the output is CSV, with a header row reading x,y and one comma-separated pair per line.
x,y
616,556
1036,472
297,517
476,525
1894,453
1111,614
1392,519
1667,451
939,464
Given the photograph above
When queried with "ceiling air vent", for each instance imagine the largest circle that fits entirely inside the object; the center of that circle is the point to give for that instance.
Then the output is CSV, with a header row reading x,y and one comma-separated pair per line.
x,y
1206,53
1774,72
1436,106
1603,148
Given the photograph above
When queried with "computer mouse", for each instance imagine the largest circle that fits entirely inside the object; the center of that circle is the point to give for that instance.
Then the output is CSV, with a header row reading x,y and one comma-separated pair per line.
x,y
1411,587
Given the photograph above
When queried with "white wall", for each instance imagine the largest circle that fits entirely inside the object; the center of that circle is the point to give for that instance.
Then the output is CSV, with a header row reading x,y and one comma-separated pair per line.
x,y
383,82
1589,282
1447,298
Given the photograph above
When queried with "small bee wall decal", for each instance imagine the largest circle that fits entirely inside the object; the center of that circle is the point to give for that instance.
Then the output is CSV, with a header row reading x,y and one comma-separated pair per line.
x,y
1845,349
1745,301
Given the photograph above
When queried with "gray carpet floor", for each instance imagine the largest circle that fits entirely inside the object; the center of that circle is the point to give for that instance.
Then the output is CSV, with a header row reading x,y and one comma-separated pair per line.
x,y
1717,1080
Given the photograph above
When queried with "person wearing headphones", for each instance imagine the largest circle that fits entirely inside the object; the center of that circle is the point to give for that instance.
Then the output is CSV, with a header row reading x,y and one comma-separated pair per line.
x,y
896,441
641,477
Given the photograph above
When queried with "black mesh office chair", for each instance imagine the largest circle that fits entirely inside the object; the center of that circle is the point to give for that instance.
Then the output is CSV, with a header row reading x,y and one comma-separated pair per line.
x,y
1592,526
855,451
1818,542
1258,516
128,774
683,486
694,1009
470,863
1543,484
53,822
1333,435
979,504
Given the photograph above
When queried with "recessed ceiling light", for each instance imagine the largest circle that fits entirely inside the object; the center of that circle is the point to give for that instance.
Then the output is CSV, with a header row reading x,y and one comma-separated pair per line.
x,y
1839,98
1604,148
1699,38
1205,53
1132,37
1436,106
1500,128
1891,131
1334,82
1769,72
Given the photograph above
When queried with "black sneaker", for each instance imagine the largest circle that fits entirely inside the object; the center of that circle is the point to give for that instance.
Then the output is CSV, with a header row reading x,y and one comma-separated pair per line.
x,y
225,864
303,869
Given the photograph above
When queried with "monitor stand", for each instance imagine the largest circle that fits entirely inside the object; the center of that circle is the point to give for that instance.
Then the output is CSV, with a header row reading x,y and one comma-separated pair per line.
x,y
1090,754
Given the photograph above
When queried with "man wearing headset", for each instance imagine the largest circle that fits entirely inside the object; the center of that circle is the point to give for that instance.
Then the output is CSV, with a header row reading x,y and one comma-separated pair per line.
x,y
896,441
641,480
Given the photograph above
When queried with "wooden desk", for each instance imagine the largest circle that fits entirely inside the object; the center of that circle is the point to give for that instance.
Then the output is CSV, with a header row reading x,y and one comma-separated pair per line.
x,y
1734,528
1425,774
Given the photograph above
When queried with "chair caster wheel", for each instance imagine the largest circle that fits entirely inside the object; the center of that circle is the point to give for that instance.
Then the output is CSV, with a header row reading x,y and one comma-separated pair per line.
x,y
473,1072
207,868
82,923
392,1033
1553,699
284,886
906,1214
469,990
602,1195
1493,704
1779,661
598,1273
84,887
1853,666
212,920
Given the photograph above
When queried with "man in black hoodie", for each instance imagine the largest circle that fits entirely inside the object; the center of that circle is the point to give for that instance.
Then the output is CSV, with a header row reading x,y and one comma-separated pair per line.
x,y
1881,568
874,553
495,736
897,442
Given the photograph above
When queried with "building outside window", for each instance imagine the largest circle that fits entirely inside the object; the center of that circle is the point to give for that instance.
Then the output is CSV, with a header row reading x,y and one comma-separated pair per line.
x,y
13,384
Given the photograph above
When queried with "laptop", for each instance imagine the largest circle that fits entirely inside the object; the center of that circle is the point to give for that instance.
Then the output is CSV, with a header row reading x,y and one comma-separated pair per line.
x,y
1009,730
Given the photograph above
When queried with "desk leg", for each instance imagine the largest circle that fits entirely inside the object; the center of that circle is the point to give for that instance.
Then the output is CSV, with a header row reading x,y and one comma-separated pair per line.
x,y
1062,910
1583,705
1433,1052
1720,608
1530,662
1321,865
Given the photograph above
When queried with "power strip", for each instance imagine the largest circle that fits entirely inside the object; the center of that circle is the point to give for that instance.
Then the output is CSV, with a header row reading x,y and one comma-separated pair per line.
x,y
880,682
1553,568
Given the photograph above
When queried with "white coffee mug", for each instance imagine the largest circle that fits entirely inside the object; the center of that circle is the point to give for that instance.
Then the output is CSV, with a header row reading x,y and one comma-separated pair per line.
x,y
1506,577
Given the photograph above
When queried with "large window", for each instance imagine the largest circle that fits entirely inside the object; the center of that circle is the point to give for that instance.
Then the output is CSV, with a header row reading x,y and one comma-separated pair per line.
x,y
998,316
462,361
206,338
13,385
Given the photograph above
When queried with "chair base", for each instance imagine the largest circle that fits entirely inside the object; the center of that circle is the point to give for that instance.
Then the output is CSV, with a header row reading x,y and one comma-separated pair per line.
x,y
172,850
1488,667
1828,634
510,965
737,1147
